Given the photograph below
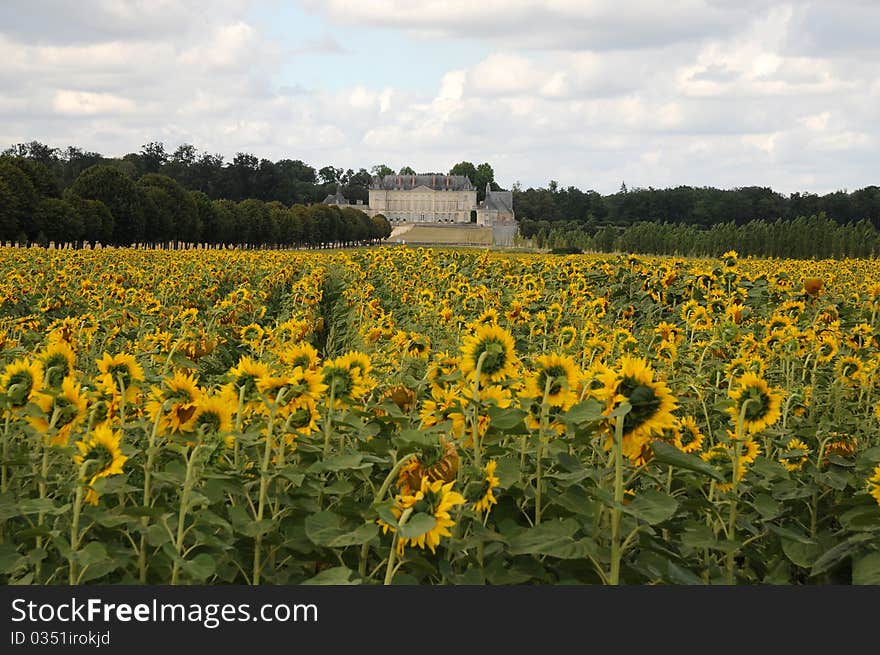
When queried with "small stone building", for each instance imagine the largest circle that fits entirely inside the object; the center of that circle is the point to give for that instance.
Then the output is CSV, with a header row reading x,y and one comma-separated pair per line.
x,y
496,209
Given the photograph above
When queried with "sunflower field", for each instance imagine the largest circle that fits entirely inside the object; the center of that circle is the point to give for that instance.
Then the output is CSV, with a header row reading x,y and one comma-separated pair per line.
x,y
419,416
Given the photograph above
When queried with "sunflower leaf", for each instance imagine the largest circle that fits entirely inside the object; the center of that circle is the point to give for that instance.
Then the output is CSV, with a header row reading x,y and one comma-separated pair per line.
x,y
338,575
417,525
866,570
506,419
588,411
665,453
653,506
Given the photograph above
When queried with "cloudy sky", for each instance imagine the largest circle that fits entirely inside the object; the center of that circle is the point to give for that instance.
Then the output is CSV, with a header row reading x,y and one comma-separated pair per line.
x,y
586,92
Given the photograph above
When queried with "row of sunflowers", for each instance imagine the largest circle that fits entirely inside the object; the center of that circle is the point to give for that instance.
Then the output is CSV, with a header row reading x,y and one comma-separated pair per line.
x,y
419,416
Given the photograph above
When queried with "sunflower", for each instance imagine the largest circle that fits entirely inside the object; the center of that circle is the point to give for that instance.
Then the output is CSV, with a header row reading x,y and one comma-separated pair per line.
x,y
102,447
123,367
849,370
104,401
300,385
245,376
442,369
435,499
826,348
560,372
437,462
487,495
58,361
795,456
303,416
763,407
440,407
721,456
651,404
289,331
303,355
344,377
669,332
689,439
401,395
21,381
213,414
66,407
252,335
841,445
874,484
174,403
497,344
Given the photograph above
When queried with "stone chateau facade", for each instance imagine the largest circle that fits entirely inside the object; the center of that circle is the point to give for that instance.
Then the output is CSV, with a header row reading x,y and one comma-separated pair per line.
x,y
433,198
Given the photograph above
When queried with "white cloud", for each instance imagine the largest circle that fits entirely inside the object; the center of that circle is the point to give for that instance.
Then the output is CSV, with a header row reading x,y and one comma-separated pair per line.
x,y
84,103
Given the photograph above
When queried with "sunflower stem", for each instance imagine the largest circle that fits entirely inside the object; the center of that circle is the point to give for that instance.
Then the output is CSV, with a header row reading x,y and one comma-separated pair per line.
x,y
188,482
731,522
391,569
545,411
121,383
3,470
614,577
261,504
238,418
74,523
365,548
475,425
44,475
148,477
328,420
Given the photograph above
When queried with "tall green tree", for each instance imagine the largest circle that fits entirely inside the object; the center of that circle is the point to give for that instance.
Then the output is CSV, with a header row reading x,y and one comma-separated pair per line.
x,y
120,194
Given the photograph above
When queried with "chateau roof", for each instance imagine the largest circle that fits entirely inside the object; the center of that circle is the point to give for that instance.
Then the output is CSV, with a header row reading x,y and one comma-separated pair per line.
x,y
499,200
433,181
335,199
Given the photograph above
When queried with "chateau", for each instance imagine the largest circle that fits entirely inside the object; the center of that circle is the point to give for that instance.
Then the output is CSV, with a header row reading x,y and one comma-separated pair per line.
x,y
434,198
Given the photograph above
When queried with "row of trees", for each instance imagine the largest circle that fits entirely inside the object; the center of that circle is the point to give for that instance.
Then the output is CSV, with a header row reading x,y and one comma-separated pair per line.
x,y
698,206
288,181
105,205
816,236
155,196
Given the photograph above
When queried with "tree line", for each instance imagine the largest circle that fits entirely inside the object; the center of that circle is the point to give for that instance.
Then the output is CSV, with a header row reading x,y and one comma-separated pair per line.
x,y
804,237
545,208
105,204
154,195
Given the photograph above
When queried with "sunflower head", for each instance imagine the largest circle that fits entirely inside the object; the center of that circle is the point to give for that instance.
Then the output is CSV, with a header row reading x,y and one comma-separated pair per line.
x,y
689,439
557,375
434,500
795,455
874,484
102,457
486,496
650,400
58,361
437,462
62,411
252,335
495,347
812,286
21,381
245,376
122,367
213,415
756,402
303,416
